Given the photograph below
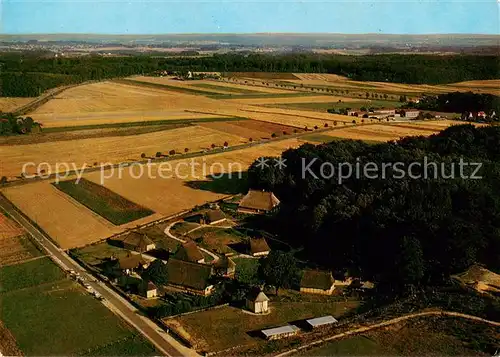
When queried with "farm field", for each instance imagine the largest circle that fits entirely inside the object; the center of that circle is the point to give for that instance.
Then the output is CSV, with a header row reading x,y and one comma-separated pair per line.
x,y
250,129
324,106
51,315
16,249
71,224
230,326
29,274
8,228
57,120
377,132
211,87
112,102
293,100
66,221
111,149
102,201
10,104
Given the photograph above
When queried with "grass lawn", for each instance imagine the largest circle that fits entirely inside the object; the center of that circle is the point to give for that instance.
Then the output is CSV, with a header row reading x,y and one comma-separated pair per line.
x,y
115,208
50,315
28,274
229,326
134,346
94,254
223,88
218,239
354,346
182,228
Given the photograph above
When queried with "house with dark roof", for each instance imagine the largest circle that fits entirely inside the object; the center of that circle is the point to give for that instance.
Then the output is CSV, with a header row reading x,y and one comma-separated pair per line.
x,y
256,201
317,282
189,252
214,216
259,247
148,289
139,242
130,264
257,301
191,277
225,267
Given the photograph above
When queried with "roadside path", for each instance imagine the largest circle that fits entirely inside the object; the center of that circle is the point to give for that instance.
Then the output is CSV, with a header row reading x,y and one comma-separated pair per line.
x,y
387,323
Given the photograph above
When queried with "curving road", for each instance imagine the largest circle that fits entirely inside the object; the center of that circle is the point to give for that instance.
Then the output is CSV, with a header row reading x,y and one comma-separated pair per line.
x,y
159,338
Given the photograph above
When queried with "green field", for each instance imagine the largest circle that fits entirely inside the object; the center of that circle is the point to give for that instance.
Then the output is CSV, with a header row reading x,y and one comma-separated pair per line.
x,y
354,346
176,123
56,317
104,202
29,274
166,86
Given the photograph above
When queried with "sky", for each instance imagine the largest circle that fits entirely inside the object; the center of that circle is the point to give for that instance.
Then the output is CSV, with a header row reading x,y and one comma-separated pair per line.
x,y
245,16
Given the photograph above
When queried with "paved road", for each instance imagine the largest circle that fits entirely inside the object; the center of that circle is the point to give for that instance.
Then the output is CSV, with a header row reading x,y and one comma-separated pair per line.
x,y
163,342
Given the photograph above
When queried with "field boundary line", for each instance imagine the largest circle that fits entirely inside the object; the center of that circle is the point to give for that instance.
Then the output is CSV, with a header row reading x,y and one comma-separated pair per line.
x,y
387,323
24,261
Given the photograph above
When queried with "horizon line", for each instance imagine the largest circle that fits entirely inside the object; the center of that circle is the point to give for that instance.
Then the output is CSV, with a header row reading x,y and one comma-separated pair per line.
x,y
250,33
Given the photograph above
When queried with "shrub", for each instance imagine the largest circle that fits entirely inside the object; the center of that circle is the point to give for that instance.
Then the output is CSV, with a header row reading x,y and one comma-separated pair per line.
x,y
143,155
273,135
326,125
158,154
171,152
186,150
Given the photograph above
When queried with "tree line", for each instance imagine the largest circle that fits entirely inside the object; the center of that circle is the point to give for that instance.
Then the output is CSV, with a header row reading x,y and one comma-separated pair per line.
x,y
12,125
398,231
29,74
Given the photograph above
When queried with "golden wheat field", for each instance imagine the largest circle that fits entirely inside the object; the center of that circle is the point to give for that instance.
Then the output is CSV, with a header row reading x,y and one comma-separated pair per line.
x,y
112,96
71,224
304,99
246,86
111,149
80,119
9,104
377,132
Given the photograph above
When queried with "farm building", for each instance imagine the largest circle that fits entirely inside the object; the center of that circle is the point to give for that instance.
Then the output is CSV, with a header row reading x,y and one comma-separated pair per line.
x,y
195,218
280,332
190,277
225,267
256,201
148,289
321,322
411,113
214,216
317,282
257,302
189,252
259,247
138,242
130,264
